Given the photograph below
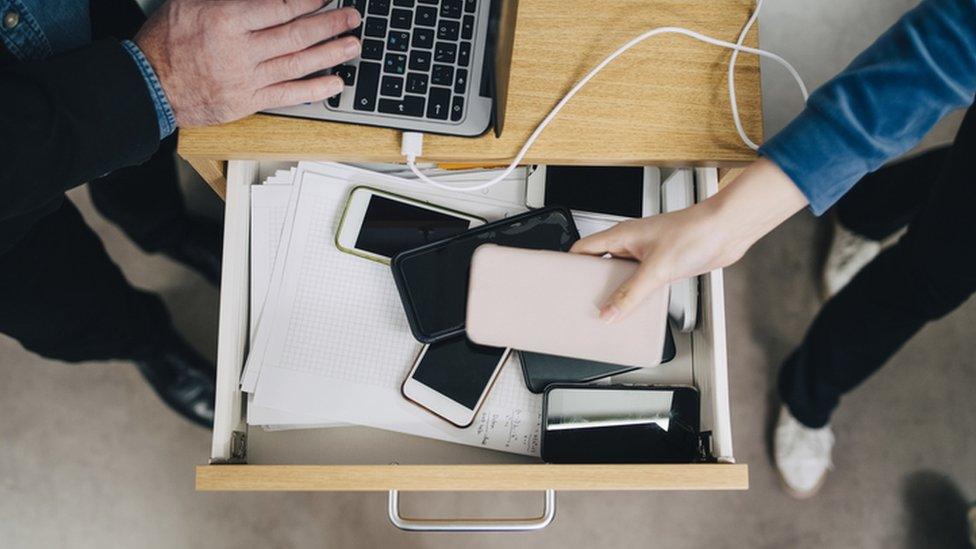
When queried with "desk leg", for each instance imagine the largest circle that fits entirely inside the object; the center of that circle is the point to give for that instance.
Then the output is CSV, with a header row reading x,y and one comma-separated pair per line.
x,y
727,175
214,172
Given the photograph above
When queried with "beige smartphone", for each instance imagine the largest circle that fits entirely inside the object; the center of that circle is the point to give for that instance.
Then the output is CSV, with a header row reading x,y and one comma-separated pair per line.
x,y
377,225
549,302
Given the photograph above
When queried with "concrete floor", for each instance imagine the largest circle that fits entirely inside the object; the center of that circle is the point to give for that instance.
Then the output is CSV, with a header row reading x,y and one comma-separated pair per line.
x,y
90,458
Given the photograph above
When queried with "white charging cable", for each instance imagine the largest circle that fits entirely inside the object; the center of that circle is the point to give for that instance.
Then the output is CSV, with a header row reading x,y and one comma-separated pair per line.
x,y
412,144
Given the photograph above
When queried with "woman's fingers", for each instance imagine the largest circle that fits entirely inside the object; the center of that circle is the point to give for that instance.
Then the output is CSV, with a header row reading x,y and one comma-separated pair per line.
x,y
611,241
629,295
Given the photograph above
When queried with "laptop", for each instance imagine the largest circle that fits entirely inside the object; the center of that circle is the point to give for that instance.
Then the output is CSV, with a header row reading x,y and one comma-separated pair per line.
x,y
432,66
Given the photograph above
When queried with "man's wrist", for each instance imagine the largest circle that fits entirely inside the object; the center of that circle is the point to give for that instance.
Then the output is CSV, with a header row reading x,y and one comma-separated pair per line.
x,y
164,111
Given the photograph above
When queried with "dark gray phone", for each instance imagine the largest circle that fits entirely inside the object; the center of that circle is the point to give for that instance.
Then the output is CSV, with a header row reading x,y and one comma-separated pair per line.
x,y
541,371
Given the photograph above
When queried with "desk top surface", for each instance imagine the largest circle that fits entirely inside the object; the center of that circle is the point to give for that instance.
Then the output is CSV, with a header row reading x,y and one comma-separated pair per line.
x,y
664,102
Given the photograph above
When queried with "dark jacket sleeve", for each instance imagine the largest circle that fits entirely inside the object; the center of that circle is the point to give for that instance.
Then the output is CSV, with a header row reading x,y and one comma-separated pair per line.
x,y
69,119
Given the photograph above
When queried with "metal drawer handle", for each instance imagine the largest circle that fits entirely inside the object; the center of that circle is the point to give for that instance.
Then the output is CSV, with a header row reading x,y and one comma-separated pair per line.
x,y
472,525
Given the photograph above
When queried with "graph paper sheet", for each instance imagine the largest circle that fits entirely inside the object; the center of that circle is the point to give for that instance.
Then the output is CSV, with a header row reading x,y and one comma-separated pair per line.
x,y
334,344
269,207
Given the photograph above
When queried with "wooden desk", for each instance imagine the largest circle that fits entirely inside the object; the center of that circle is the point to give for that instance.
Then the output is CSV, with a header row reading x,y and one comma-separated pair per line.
x,y
663,103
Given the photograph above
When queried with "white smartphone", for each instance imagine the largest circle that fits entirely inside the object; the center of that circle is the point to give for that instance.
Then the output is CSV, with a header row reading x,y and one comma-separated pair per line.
x,y
451,378
377,225
678,193
610,192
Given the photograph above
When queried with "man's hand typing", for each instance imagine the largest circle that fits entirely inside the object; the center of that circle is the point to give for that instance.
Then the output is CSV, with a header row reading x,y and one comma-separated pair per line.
x,y
222,60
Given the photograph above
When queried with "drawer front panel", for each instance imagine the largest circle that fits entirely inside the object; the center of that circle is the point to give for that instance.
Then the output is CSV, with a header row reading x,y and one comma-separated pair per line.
x,y
471,477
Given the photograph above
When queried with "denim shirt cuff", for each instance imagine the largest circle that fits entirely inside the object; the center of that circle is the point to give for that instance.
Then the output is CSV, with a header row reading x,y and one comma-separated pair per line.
x,y
164,112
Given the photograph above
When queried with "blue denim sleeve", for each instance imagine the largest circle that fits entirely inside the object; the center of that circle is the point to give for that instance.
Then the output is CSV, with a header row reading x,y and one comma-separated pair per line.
x,y
164,112
883,103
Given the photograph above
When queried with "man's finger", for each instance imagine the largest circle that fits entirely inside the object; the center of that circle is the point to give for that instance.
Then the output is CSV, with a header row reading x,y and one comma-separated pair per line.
x,y
629,294
298,91
304,32
303,63
261,14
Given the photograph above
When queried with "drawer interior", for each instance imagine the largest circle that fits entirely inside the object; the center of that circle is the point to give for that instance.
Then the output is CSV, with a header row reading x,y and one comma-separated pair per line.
x,y
700,360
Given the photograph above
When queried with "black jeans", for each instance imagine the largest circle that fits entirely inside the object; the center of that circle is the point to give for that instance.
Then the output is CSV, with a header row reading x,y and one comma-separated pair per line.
x,y
926,275
61,295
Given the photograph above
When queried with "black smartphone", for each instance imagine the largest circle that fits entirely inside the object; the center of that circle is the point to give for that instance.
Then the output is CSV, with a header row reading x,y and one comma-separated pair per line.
x,y
433,280
620,192
622,424
541,371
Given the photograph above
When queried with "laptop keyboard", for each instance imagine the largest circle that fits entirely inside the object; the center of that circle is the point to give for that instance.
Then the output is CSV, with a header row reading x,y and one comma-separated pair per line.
x,y
416,57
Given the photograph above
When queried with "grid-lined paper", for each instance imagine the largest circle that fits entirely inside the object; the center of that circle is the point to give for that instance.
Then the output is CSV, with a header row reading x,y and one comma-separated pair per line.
x,y
339,345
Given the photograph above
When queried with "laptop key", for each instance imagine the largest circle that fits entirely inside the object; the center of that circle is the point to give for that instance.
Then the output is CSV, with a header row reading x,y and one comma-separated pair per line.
x,y
416,82
467,27
457,109
448,30
379,7
442,75
360,5
464,54
425,16
392,86
372,49
450,8
404,3
401,19
420,60
369,80
435,2
395,63
460,81
398,41
410,105
470,6
334,101
347,73
439,103
376,27
445,52
423,38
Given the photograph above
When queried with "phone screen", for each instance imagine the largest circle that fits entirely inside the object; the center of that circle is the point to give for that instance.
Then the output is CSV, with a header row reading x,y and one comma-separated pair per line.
x,y
606,190
391,226
458,369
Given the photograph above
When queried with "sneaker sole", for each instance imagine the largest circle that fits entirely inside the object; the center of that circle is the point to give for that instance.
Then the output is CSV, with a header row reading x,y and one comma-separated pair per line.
x,y
801,495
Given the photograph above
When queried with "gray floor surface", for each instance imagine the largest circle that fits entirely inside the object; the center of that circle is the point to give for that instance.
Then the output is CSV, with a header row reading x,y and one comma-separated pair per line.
x,y
90,458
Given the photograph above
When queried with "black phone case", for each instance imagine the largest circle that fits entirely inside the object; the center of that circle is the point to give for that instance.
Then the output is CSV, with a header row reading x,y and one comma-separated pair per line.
x,y
485,235
541,371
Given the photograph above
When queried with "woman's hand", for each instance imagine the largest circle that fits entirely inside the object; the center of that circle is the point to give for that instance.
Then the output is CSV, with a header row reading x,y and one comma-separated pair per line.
x,y
709,235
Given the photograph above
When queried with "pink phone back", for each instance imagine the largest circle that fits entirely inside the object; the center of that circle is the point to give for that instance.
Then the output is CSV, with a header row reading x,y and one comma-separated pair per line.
x,y
549,302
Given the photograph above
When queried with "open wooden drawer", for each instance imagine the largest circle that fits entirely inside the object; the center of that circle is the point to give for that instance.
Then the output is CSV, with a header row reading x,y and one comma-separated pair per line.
x,y
363,459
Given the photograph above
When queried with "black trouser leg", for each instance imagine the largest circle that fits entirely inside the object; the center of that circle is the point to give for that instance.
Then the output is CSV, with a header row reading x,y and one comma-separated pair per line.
x,y
145,200
886,200
930,272
62,297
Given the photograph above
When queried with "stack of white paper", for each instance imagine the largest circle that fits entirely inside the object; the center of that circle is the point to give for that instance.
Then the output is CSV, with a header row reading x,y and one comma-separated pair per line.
x,y
329,339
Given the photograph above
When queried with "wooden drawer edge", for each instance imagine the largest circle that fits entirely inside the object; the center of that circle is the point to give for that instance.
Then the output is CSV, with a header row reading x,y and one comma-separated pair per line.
x,y
471,477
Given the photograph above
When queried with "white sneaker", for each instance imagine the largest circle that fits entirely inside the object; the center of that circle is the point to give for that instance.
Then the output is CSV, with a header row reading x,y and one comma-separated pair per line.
x,y
972,526
848,254
802,455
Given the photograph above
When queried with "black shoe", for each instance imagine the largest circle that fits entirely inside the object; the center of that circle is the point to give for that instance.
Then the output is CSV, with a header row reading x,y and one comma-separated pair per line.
x,y
183,379
200,248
